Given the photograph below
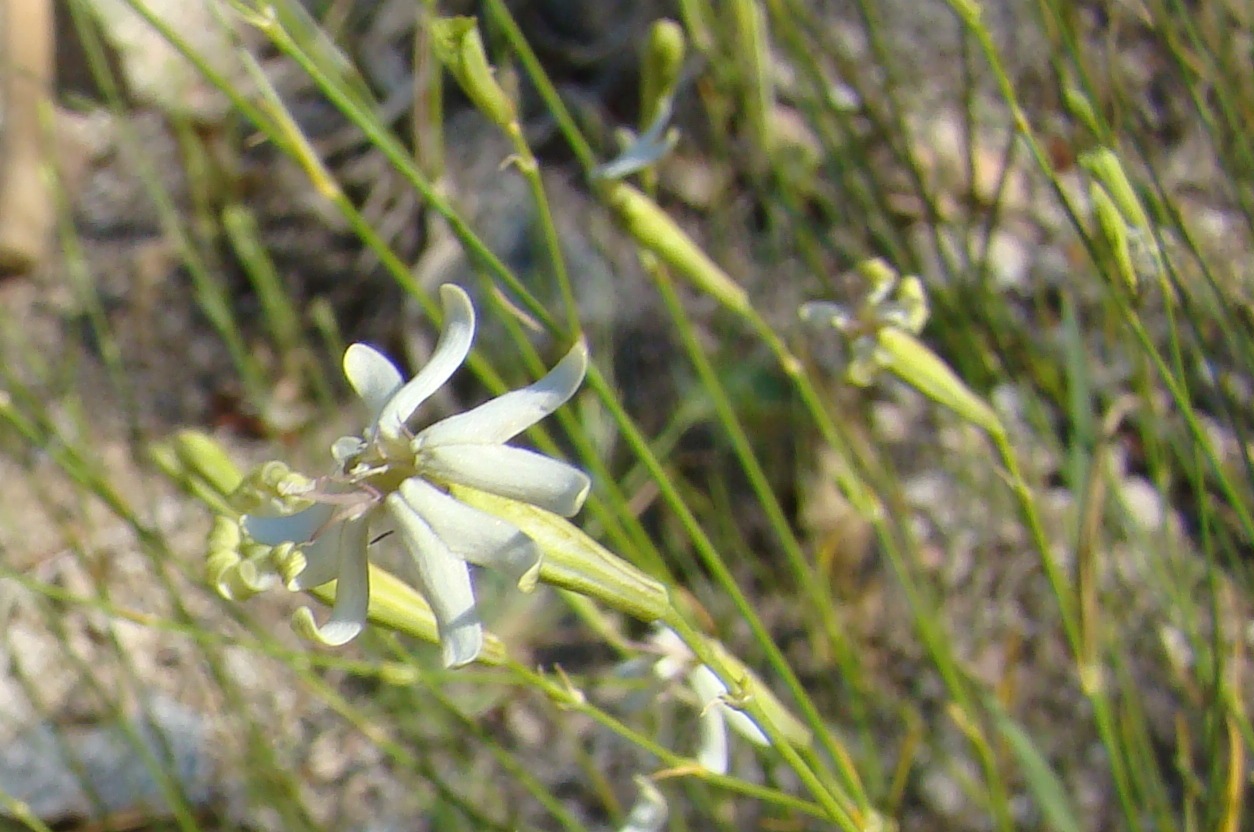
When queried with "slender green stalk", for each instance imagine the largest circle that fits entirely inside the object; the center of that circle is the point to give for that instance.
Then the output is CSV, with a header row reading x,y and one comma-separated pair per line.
x,y
840,807
821,603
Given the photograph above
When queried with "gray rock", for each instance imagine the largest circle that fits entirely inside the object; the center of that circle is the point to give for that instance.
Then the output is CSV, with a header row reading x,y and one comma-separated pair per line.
x,y
90,772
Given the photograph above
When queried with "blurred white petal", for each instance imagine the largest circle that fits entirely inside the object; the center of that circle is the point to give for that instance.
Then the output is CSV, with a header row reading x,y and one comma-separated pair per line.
x,y
450,352
445,580
712,750
504,417
352,589
648,813
324,555
345,448
292,528
892,313
646,151
372,376
711,691
514,473
826,312
865,363
474,535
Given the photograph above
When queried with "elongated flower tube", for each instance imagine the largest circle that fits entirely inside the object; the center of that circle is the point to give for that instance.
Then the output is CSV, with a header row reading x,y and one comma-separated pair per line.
x,y
394,477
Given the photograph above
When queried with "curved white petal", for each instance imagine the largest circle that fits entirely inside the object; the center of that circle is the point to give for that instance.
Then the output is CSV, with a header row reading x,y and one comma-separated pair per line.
x,y
504,417
445,580
712,745
450,352
345,448
292,528
372,376
510,472
475,535
647,149
352,591
744,725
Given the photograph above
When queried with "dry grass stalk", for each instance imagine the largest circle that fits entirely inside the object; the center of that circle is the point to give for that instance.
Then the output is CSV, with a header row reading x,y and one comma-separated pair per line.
x,y
26,75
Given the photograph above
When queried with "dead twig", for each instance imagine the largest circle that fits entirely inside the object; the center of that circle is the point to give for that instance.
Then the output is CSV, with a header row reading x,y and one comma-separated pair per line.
x,y
26,77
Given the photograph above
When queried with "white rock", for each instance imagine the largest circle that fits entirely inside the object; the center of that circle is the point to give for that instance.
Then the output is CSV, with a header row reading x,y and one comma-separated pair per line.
x,y
1143,502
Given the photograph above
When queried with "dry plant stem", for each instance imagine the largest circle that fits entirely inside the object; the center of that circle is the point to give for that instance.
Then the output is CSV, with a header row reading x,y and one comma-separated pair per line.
x,y
26,66
428,100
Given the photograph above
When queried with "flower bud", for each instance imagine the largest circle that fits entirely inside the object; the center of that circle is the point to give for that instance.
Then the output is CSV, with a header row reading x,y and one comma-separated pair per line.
x,y
223,544
460,48
271,488
659,73
1114,230
1080,107
654,229
1104,166
207,459
246,579
922,369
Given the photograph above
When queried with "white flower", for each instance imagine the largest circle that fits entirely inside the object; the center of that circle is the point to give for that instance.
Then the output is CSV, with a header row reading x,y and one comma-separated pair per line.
x,y
893,301
678,661
391,478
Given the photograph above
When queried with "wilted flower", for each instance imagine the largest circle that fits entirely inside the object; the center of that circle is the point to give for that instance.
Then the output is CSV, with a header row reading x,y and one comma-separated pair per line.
x,y
645,150
676,661
394,478
894,302
883,331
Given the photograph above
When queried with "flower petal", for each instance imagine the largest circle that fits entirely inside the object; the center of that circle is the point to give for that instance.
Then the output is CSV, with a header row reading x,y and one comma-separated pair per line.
x,y
372,376
324,556
352,592
450,352
712,747
475,535
711,691
514,473
345,448
504,417
826,312
648,813
648,148
865,363
445,580
291,528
